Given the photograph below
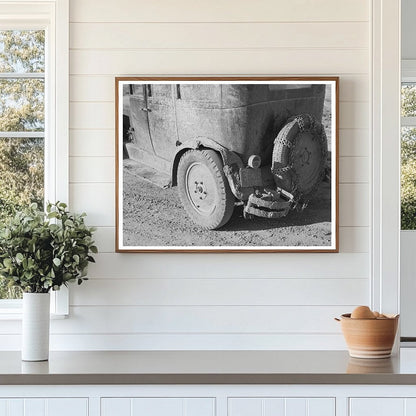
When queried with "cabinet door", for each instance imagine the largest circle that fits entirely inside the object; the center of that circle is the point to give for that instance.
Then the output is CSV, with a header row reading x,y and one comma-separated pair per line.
x,y
44,407
160,406
382,407
253,406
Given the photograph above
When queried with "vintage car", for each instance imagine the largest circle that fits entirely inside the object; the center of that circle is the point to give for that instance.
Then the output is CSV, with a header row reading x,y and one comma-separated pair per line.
x,y
260,144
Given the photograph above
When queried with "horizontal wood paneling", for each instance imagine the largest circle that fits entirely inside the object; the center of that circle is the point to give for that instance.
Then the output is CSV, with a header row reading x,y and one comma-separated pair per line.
x,y
92,169
98,88
354,169
354,205
92,115
220,291
218,11
92,88
201,319
230,301
354,239
96,199
194,320
250,265
354,115
219,62
218,35
95,143
105,238
354,142
146,342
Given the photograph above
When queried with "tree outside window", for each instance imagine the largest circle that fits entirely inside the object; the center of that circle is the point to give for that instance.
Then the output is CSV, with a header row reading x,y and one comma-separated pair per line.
x,y
22,124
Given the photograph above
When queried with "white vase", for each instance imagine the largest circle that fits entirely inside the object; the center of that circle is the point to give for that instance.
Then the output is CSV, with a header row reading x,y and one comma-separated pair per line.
x,y
35,326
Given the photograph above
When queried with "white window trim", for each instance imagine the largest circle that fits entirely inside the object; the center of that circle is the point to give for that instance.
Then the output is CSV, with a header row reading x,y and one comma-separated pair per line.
x,y
52,15
385,282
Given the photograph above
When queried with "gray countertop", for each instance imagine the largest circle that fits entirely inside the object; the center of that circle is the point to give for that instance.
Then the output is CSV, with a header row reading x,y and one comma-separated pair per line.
x,y
208,367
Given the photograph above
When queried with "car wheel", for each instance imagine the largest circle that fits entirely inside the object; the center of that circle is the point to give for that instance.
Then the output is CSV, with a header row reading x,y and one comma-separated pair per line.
x,y
300,155
204,189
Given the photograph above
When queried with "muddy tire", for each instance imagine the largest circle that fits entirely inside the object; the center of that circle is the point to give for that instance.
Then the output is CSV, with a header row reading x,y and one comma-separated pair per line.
x,y
204,189
300,155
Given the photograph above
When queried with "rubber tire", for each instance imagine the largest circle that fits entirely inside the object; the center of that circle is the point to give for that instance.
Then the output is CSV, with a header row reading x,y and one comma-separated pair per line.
x,y
224,201
283,154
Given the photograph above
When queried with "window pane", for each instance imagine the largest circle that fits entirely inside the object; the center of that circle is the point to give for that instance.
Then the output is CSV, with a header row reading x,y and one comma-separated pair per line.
x,y
22,51
22,110
408,99
408,178
7,292
21,173
21,182
22,104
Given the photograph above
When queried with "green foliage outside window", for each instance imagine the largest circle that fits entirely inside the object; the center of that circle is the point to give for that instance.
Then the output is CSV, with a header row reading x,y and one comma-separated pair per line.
x,y
21,110
408,160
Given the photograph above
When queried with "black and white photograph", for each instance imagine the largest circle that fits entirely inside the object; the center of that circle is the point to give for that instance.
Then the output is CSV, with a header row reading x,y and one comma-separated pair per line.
x,y
227,164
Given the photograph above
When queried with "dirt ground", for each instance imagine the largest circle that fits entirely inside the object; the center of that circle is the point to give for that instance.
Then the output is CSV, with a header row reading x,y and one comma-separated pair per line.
x,y
155,217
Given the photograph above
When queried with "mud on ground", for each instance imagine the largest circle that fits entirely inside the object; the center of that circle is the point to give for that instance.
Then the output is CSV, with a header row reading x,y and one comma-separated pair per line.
x,y
155,217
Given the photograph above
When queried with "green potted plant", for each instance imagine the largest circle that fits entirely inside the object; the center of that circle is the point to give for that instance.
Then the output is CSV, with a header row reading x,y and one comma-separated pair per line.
x,y
40,252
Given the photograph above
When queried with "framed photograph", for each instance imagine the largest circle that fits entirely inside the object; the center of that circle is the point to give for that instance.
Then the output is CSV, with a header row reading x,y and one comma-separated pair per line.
x,y
235,164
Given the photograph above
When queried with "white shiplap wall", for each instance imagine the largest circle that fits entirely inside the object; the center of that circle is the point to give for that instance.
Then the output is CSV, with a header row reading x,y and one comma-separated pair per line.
x,y
218,301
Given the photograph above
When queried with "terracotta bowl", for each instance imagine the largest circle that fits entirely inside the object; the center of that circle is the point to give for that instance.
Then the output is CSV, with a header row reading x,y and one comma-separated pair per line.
x,y
369,338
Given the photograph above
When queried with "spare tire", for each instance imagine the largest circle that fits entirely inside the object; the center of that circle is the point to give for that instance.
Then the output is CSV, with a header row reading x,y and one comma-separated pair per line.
x,y
299,156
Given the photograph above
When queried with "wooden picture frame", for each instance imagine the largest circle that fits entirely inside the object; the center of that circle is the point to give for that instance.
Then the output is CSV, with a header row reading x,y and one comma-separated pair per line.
x,y
227,164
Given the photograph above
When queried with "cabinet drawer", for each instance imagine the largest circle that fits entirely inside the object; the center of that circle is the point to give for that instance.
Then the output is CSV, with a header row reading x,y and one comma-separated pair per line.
x,y
44,407
160,406
280,406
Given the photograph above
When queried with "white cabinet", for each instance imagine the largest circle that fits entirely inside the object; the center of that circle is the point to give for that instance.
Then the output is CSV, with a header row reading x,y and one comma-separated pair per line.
x,y
208,400
281,406
146,406
382,406
44,407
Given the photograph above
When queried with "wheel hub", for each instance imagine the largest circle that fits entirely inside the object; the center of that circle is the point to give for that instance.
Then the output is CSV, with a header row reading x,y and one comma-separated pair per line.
x,y
200,187
305,157
200,190
307,161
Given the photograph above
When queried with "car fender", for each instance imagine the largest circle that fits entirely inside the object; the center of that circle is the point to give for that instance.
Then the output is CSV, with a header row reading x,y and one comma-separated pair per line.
x,y
228,157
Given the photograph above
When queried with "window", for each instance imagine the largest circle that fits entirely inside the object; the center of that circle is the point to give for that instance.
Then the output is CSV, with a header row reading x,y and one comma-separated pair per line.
x,y
22,124
33,111
408,154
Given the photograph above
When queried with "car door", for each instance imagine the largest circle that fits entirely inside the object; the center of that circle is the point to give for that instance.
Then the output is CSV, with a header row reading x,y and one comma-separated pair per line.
x,y
139,117
162,119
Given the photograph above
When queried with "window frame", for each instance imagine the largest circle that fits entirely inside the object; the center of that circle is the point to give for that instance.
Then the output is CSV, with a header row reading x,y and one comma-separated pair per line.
x,y
385,156
53,17
408,76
